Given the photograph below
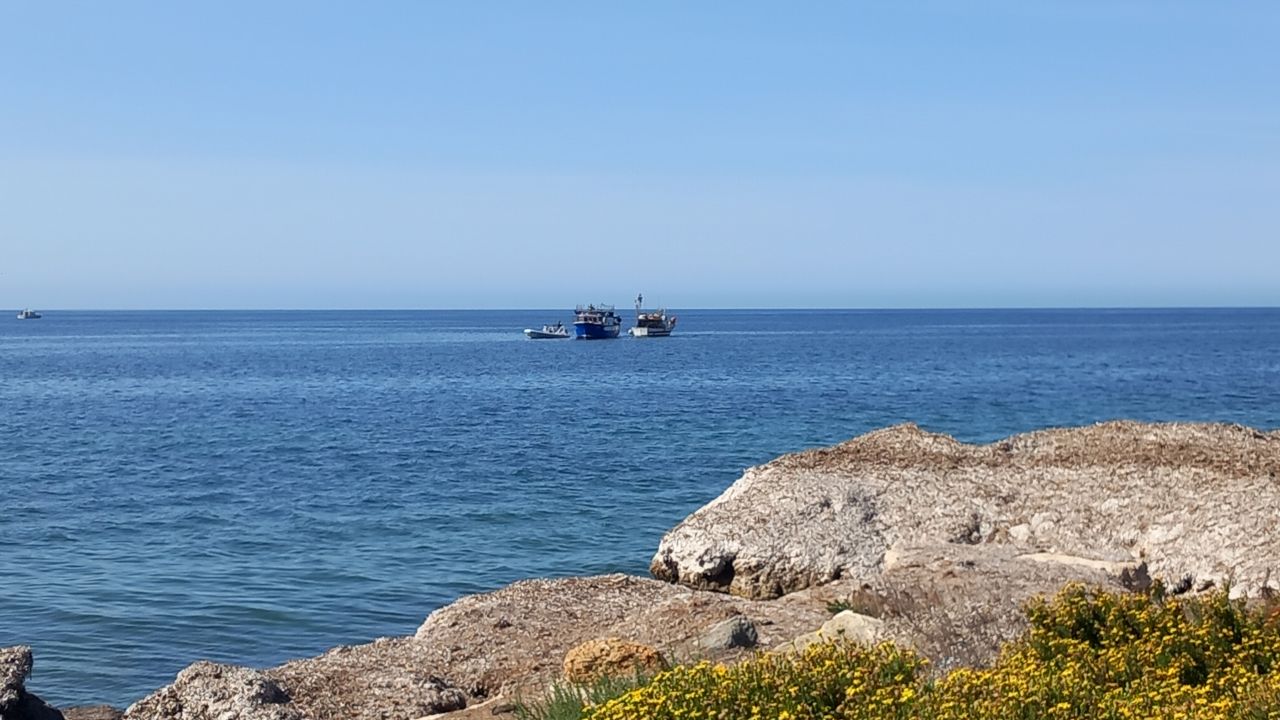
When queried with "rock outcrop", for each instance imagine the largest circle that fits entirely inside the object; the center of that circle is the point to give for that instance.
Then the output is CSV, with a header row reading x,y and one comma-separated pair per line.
x,y
209,691
736,632
957,604
92,712
522,631
15,702
1192,500
15,666
846,626
484,650
390,677
924,540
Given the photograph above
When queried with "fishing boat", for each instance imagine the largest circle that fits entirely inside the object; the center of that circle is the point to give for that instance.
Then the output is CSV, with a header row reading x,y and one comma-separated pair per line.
x,y
548,332
596,322
655,323
28,314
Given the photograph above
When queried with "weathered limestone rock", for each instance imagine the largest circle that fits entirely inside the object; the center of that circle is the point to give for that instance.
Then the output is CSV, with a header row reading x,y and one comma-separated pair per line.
x,y
390,677
846,626
852,627
495,647
736,632
15,702
209,691
92,712
1130,575
611,657
1188,499
15,666
956,604
544,619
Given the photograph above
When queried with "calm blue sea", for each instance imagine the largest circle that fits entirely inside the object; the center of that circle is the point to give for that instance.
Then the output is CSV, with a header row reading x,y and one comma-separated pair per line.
x,y
257,486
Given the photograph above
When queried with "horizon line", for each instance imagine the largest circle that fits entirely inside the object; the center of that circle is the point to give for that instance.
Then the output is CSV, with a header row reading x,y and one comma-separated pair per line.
x,y
683,309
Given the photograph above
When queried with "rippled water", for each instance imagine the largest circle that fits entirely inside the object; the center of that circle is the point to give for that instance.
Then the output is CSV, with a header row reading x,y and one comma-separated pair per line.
x,y
252,487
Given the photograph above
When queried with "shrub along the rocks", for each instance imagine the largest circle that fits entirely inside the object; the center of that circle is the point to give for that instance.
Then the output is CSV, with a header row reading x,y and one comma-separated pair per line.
x,y
1087,654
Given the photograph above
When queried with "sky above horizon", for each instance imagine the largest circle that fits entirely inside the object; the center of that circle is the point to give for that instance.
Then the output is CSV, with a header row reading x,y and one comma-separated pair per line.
x,y
508,155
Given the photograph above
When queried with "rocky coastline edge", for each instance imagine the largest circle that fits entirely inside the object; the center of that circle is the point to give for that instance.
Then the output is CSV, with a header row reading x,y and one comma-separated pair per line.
x,y
931,542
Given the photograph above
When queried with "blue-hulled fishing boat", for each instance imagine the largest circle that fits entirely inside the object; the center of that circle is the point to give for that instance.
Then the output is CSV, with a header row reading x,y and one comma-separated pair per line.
x,y
596,322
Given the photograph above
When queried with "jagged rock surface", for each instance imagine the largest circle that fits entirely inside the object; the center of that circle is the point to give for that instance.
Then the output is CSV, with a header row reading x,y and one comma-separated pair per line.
x,y
512,643
92,712
388,678
527,628
736,632
957,604
210,691
1189,499
15,666
15,702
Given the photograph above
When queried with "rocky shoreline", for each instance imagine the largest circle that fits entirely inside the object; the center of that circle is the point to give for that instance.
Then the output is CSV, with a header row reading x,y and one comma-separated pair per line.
x,y
929,542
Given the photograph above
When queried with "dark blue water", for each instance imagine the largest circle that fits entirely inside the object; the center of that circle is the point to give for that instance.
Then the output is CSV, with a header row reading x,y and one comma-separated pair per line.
x,y
256,486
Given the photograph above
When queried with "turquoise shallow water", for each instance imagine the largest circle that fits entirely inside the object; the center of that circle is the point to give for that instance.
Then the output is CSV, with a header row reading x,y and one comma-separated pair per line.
x,y
256,486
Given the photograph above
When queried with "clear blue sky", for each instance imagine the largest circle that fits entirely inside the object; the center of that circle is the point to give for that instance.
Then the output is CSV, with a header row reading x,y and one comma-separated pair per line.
x,y
541,154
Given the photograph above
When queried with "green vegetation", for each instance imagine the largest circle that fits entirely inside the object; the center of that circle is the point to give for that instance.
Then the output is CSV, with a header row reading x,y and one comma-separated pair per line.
x,y
568,701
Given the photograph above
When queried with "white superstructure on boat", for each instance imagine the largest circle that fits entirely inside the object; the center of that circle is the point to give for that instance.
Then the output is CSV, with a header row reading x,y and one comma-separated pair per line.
x,y
655,323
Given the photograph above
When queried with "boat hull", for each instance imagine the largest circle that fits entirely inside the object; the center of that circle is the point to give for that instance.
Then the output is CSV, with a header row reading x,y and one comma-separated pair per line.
x,y
596,331
543,335
652,324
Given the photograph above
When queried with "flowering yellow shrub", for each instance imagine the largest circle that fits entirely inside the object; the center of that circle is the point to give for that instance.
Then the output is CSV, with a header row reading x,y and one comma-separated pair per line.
x,y
1104,655
1086,655
812,685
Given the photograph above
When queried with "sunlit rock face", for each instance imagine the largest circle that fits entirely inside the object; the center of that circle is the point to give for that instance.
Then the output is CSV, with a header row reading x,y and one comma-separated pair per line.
x,y
1190,500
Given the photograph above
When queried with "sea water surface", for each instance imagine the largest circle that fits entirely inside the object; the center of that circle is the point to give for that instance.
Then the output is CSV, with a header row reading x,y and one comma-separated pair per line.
x,y
251,487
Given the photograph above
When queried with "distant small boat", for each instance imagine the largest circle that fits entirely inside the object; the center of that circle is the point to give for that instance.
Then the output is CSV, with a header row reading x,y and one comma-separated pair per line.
x,y
655,323
28,314
596,322
548,332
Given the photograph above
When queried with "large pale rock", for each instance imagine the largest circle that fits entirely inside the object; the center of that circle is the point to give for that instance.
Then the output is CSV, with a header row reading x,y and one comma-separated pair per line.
x,y
209,691
1188,499
846,626
611,657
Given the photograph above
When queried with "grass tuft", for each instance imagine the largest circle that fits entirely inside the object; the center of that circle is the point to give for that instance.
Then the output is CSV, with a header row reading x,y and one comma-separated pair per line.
x,y
568,701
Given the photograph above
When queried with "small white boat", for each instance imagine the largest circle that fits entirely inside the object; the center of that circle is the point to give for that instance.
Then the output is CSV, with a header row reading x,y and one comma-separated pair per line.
x,y
28,314
548,332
